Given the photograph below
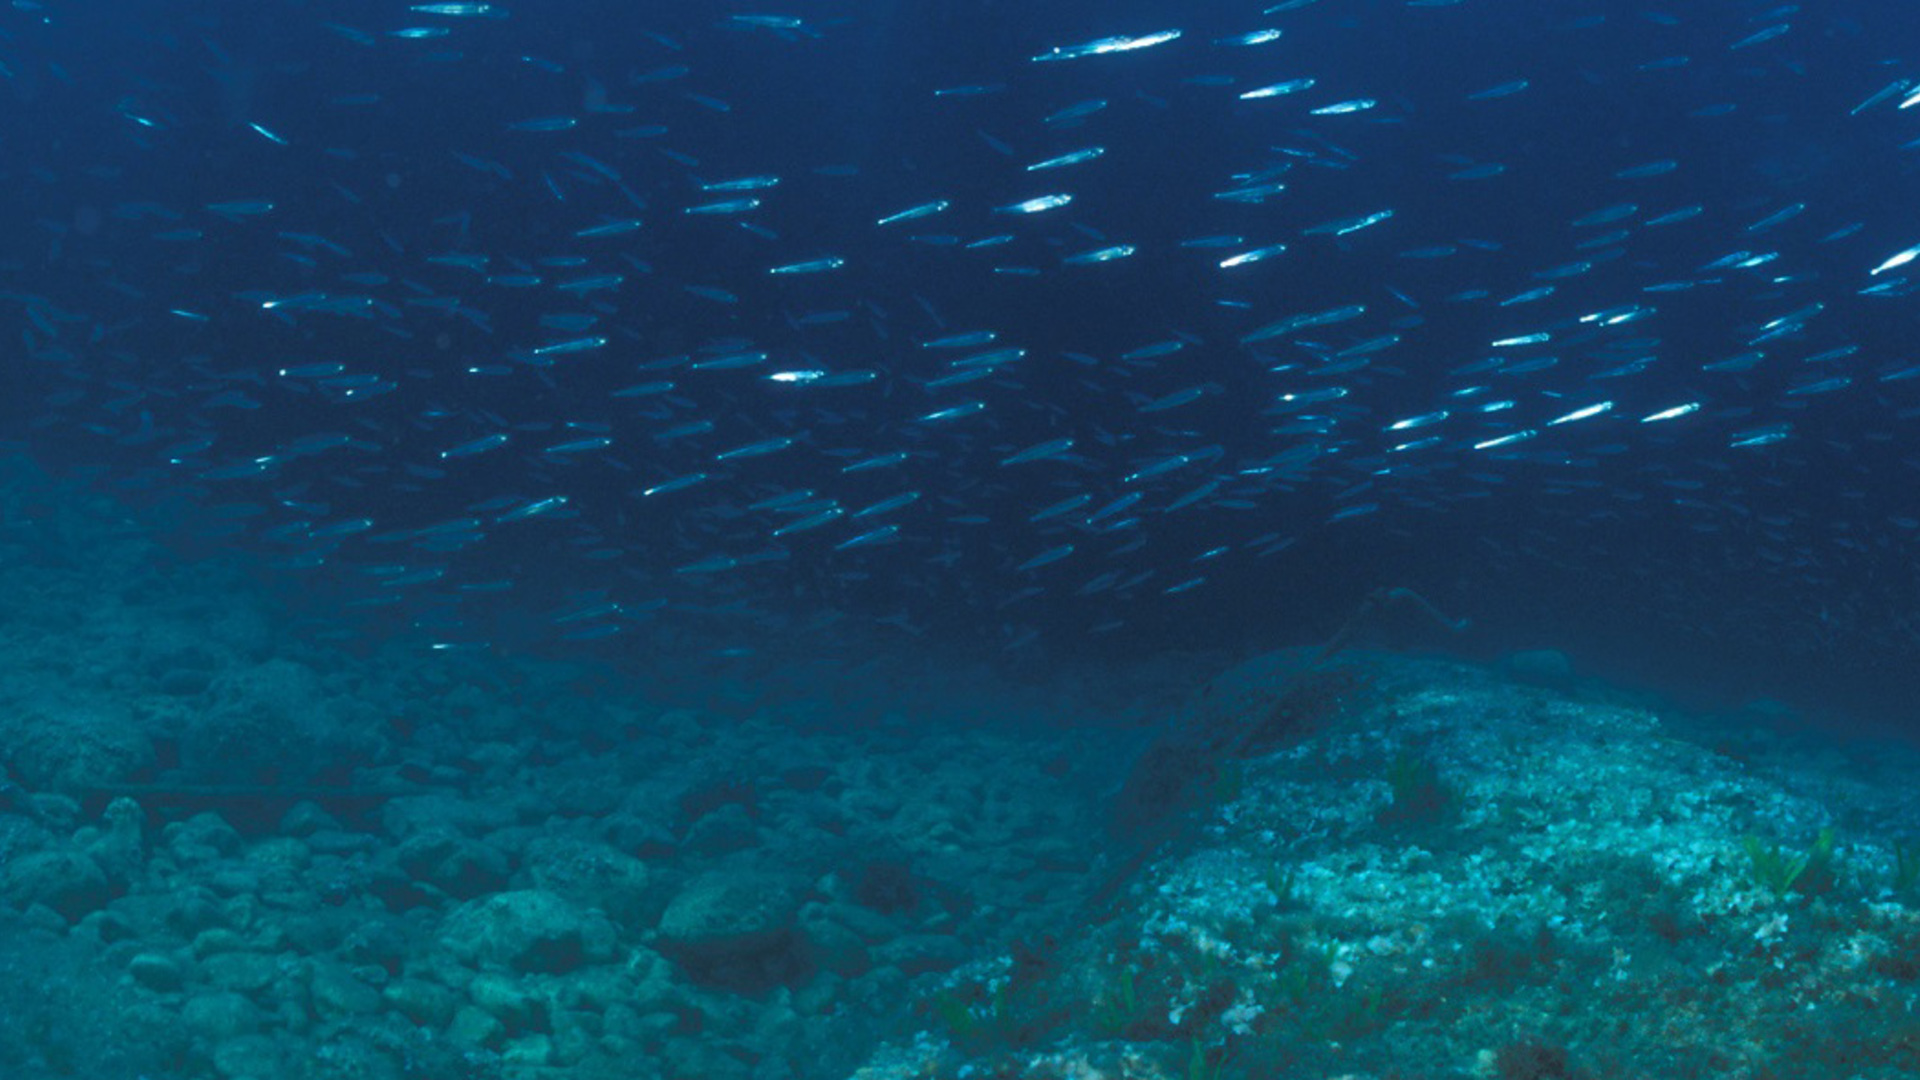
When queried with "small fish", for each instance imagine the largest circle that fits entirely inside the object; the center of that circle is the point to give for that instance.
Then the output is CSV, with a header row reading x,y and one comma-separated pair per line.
x,y
812,521
1103,46
1504,89
1051,555
611,228
1279,89
1039,451
678,483
1251,37
811,266
533,508
1035,205
878,461
545,124
725,206
744,183
883,534
970,340
888,505
1100,255
1069,115
756,449
1895,261
1076,157
477,446
576,345
911,213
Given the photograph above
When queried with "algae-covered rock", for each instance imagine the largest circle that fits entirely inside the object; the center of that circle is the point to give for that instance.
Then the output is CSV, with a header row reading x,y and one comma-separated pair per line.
x,y
73,745
337,991
402,817
530,931
528,1051
460,867
67,882
240,971
221,1014
509,999
352,1057
249,1057
737,929
917,954
275,720
837,946
592,875
426,1004
474,1026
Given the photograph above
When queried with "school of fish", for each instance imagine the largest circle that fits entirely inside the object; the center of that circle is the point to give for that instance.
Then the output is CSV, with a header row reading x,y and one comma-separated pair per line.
x,y
547,323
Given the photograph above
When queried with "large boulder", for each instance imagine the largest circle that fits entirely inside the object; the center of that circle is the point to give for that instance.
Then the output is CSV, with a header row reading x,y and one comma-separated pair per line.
x,y
739,930
66,881
530,930
277,720
72,745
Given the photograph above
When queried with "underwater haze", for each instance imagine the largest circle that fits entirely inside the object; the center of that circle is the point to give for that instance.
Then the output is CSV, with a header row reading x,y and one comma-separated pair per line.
x,y
425,418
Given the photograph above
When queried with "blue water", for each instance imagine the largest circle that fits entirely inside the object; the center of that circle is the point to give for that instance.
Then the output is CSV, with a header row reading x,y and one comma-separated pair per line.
x,y
279,259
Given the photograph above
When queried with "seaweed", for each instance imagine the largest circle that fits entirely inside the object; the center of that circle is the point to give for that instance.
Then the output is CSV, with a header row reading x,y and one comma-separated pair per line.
x,y
1780,871
1906,868
1420,795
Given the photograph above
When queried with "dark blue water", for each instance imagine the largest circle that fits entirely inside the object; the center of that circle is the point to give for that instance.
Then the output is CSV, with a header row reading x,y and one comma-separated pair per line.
x,y
274,261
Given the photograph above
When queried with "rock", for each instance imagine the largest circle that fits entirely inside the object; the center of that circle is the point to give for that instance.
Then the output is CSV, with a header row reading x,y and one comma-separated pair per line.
x,y
75,745
576,1037
594,989
592,875
243,972
726,830
918,954
156,972
216,940
507,999
837,948
275,719
221,1014
460,867
473,1026
737,930
306,818
426,1004
249,1057
66,882
337,992
529,931
109,927
203,836
119,852
1274,700
352,1057
185,682
409,814
234,881
191,911
530,1051
341,842
280,852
